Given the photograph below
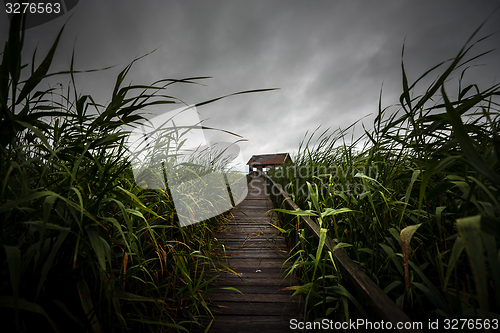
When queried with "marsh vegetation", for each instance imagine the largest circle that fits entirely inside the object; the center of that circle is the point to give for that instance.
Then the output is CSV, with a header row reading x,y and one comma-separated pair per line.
x,y
414,201
83,247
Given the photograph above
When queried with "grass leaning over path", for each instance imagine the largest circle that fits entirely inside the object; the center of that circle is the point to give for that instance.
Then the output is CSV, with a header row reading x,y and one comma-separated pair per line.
x,y
417,206
83,249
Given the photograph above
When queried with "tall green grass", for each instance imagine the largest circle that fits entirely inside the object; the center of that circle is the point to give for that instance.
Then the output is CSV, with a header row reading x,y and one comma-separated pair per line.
x,y
83,248
420,196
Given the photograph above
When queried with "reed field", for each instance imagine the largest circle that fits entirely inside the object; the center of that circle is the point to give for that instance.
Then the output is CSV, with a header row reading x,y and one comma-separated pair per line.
x,y
83,248
414,202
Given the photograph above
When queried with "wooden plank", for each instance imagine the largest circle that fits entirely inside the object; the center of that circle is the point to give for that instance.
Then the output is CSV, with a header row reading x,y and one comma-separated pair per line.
x,y
250,236
246,243
258,256
257,237
251,324
256,223
265,222
244,280
236,262
244,232
263,251
252,224
256,297
249,271
254,308
254,247
258,289
230,240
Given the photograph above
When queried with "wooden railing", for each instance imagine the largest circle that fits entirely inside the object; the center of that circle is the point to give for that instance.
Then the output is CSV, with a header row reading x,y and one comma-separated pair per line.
x,y
363,286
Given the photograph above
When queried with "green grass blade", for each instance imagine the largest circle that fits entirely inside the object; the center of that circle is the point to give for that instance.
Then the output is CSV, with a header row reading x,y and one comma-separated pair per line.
x,y
88,306
457,250
466,142
50,259
470,231
98,244
493,261
40,72
406,236
13,254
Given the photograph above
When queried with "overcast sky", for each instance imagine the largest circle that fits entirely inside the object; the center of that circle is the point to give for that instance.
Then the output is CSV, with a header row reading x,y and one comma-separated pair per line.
x,y
329,59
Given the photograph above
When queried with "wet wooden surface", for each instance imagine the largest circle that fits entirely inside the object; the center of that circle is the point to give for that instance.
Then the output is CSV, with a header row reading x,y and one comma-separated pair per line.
x,y
255,251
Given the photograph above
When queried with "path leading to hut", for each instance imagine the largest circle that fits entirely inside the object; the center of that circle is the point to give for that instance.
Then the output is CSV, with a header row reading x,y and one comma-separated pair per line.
x,y
256,251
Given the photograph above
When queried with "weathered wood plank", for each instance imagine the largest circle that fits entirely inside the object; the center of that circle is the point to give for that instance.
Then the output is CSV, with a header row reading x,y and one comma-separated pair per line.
x,y
256,297
250,290
255,308
252,324
252,262
244,256
253,281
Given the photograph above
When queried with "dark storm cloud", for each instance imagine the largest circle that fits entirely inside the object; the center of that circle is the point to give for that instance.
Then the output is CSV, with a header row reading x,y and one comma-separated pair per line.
x,y
329,58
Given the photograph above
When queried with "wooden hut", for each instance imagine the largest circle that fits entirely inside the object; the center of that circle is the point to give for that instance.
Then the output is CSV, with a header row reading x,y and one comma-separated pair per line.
x,y
263,163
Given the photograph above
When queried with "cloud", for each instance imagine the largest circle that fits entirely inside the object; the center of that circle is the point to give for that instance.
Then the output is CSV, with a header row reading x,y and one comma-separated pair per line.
x,y
329,59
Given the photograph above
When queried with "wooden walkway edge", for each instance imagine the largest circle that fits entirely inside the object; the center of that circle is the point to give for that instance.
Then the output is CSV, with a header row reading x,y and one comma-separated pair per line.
x,y
257,253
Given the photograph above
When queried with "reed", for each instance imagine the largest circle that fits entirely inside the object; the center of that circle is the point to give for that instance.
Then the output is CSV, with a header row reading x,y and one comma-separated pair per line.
x,y
83,248
415,201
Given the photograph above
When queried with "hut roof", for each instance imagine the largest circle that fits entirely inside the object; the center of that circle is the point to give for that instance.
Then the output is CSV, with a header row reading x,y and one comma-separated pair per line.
x,y
269,159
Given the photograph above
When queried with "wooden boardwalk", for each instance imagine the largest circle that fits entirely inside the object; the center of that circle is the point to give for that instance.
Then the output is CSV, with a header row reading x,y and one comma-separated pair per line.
x,y
255,250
